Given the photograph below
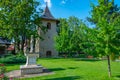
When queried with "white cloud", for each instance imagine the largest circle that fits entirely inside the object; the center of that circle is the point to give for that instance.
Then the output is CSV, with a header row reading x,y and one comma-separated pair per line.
x,y
63,2
48,3
43,5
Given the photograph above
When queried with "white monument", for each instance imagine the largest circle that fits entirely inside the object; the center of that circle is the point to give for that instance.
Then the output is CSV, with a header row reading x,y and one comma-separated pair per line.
x,y
30,67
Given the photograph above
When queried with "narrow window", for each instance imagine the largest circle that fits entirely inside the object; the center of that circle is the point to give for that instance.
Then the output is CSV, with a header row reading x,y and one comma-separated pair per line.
x,y
48,25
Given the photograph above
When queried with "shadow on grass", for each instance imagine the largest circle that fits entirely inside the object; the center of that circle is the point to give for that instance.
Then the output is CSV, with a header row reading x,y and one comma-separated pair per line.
x,y
14,64
50,58
87,59
56,69
118,76
72,67
66,78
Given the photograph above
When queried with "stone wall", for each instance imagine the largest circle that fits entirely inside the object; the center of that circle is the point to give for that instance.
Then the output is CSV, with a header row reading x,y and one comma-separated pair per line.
x,y
46,46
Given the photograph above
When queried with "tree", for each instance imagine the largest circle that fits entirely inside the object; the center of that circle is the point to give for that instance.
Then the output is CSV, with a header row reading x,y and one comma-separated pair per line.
x,y
104,37
63,36
70,36
18,20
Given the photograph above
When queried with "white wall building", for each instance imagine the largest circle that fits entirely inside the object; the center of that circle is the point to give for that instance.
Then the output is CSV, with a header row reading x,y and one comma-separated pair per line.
x,y
46,47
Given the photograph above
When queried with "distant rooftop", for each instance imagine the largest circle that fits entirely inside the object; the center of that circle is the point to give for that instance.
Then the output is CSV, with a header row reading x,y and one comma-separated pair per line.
x,y
4,41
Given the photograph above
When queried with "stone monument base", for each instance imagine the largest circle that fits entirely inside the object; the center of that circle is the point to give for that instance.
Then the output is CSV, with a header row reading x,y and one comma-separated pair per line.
x,y
30,69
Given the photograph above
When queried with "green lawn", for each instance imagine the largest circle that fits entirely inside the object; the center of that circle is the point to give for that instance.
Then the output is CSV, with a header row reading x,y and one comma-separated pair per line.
x,y
74,69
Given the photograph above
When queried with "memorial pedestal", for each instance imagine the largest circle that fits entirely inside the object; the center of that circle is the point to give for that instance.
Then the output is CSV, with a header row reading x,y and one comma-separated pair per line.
x,y
31,67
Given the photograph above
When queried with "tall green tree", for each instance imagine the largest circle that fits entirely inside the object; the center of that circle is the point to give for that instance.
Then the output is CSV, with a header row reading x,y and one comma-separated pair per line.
x,y
63,36
18,20
77,33
70,36
104,37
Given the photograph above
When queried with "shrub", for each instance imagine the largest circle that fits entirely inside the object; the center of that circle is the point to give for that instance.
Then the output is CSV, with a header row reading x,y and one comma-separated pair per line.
x,y
13,59
82,55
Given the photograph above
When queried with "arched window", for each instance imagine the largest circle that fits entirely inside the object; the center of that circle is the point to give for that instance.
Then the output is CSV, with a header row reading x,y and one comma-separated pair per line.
x,y
48,25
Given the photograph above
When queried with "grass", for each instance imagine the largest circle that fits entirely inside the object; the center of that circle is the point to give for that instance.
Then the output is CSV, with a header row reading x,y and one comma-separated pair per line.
x,y
75,69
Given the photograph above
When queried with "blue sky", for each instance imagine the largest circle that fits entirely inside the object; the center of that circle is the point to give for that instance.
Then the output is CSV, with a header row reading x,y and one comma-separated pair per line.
x,y
66,8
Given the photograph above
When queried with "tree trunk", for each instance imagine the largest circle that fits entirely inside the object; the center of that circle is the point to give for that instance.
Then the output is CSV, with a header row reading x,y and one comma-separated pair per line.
x,y
17,47
109,68
22,43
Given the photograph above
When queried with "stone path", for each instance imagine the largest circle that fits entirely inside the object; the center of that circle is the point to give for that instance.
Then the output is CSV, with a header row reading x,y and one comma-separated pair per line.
x,y
117,60
17,74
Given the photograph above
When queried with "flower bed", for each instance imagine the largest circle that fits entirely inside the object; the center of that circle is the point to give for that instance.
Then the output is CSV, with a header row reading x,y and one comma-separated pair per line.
x,y
2,72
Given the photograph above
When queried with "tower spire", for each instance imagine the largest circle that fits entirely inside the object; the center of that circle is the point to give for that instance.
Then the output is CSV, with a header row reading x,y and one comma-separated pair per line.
x,y
47,14
46,3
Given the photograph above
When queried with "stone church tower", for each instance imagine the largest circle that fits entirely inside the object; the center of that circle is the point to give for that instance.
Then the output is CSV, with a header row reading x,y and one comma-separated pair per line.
x,y
46,47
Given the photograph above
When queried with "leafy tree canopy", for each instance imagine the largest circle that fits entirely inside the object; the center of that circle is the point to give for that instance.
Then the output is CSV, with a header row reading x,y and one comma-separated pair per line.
x,y
18,19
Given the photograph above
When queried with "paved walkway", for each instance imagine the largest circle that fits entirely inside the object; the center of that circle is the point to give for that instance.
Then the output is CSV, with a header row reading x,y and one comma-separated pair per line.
x,y
17,74
117,60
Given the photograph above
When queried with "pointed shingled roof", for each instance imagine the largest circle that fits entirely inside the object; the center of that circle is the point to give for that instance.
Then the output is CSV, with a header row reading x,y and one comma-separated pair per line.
x,y
47,14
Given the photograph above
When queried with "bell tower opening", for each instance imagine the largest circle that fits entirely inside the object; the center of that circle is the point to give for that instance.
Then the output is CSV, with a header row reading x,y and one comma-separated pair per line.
x,y
48,25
